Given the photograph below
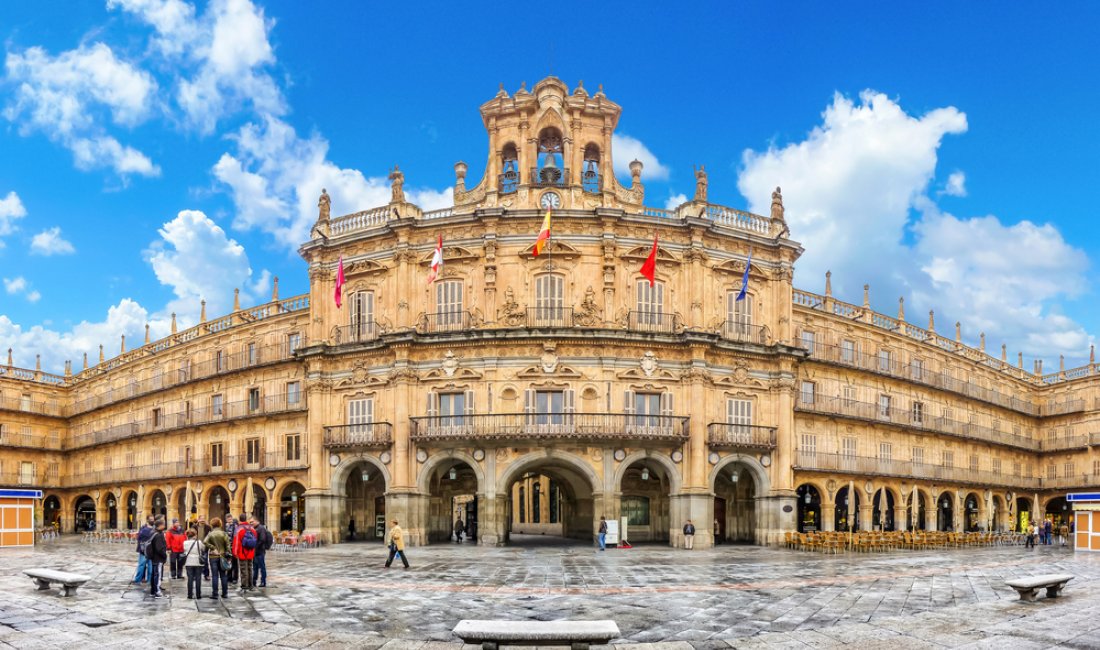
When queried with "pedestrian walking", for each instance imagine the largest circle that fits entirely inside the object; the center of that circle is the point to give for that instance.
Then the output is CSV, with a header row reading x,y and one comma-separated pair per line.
x,y
458,530
143,537
259,563
1063,533
601,533
351,529
218,551
245,542
395,539
192,562
157,554
202,529
175,538
1047,532
1030,543
689,535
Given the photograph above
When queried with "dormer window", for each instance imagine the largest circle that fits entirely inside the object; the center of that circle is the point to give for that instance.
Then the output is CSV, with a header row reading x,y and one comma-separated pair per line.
x,y
590,177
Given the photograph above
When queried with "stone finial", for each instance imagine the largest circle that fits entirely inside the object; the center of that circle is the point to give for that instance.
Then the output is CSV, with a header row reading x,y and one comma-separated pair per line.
x,y
101,353
236,300
777,204
147,334
958,332
122,348
932,321
1004,352
981,341
397,184
1092,354
599,91
9,357
1020,360
828,284
636,167
866,296
173,322
1039,367
202,313
901,309
1061,363
502,92
324,206
275,289
460,176
85,361
38,363
68,368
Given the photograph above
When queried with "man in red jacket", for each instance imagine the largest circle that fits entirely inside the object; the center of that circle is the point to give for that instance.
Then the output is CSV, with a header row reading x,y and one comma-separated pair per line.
x,y
244,549
175,538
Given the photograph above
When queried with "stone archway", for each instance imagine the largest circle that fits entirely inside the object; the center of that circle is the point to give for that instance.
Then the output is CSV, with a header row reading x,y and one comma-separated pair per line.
x,y
883,504
646,485
51,511
571,485
739,484
84,514
292,507
809,508
917,512
945,511
217,503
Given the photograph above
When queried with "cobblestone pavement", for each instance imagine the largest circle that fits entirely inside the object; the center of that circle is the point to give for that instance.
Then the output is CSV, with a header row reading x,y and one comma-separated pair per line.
x,y
739,596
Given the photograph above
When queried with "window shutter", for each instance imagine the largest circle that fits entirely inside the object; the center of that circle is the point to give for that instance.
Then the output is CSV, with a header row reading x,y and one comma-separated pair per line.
x,y
368,411
666,404
568,403
529,401
628,402
354,314
731,411
469,405
433,404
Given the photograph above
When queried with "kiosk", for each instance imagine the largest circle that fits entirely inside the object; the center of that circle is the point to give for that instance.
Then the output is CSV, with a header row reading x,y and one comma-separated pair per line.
x,y
1086,517
17,516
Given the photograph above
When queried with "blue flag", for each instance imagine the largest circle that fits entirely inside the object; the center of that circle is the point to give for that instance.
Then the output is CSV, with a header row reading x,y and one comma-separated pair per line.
x,y
745,279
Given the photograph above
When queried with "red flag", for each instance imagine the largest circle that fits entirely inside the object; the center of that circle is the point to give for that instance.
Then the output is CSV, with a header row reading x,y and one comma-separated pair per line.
x,y
437,261
339,295
649,267
544,234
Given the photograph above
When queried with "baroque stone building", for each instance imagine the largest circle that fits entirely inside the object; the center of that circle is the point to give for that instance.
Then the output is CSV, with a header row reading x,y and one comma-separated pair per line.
x,y
538,393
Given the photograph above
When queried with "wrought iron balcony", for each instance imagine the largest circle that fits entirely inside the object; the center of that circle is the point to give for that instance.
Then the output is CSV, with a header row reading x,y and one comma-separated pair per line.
x,y
446,321
549,177
541,317
357,333
743,436
743,332
654,321
579,426
347,436
870,466
267,462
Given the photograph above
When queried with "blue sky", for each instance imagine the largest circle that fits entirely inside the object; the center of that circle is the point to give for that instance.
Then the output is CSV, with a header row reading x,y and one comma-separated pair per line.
x,y
939,151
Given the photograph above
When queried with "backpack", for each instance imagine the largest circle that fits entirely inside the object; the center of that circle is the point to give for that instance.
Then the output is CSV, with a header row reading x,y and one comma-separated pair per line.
x,y
269,540
248,541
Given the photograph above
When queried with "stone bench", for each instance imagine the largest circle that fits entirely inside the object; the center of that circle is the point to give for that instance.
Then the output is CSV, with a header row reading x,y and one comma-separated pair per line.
x,y
1029,587
69,581
577,634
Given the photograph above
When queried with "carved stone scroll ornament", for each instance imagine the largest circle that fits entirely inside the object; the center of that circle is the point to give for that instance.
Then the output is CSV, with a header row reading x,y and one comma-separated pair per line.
x,y
511,314
588,315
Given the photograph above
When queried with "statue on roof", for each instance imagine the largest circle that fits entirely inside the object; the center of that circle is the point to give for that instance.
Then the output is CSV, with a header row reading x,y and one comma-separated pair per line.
x,y
324,205
700,184
397,181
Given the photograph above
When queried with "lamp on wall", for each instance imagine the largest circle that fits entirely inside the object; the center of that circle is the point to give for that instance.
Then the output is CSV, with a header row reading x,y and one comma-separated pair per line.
x,y
806,498
366,476
645,473
452,474
735,476
944,504
217,498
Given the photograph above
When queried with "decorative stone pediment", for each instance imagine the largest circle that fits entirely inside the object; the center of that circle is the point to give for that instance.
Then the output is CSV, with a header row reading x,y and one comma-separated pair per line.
x,y
451,254
557,249
737,267
739,378
642,252
360,377
451,369
363,267
539,372
648,368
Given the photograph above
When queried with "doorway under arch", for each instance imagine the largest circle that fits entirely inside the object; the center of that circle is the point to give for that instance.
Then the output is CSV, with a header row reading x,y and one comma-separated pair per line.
x,y
565,483
292,508
1058,512
844,505
945,512
809,509
882,510
364,504
159,504
112,512
917,517
972,514
83,514
735,492
132,511
217,504
51,511
645,487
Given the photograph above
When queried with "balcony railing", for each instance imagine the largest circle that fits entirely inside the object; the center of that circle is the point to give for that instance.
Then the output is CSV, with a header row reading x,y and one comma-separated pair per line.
x,y
553,177
894,367
741,436
542,317
358,333
29,440
654,321
19,478
27,405
372,434
1064,408
1084,481
742,332
1065,442
446,321
242,464
909,418
870,466
581,426
98,433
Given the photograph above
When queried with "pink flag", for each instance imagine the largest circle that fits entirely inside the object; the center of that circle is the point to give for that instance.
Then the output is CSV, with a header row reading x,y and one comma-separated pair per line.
x,y
339,295
437,261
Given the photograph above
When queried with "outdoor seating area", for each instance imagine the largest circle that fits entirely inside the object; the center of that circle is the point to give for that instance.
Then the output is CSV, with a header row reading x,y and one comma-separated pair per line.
x,y
288,541
109,536
878,541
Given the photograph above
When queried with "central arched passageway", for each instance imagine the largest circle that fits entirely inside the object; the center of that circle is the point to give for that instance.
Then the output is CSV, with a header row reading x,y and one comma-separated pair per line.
x,y
551,497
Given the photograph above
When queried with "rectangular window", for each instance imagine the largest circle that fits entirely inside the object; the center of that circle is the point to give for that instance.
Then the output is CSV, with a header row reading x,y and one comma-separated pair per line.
x,y
217,454
360,416
848,447
1016,469
806,395
996,466
848,394
884,407
884,361
549,302
1096,467
452,408
1052,471
361,316
917,412
292,342
649,307
187,457
253,357
738,316
25,402
549,406
158,419
185,370
885,451
187,412
253,400
918,455
739,414
293,446
973,463
1068,470
448,304
217,405
809,443
948,415
948,458
293,393
808,341
916,369
252,451
847,351
219,361
156,454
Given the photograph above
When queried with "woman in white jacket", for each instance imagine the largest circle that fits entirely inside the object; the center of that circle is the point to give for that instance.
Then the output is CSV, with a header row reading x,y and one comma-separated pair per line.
x,y
192,561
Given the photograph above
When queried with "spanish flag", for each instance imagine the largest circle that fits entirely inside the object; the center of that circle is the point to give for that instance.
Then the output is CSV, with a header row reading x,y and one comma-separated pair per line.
x,y
544,234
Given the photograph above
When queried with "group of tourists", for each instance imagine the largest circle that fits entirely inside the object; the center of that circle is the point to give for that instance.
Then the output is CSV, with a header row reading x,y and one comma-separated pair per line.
x,y
235,553
1045,530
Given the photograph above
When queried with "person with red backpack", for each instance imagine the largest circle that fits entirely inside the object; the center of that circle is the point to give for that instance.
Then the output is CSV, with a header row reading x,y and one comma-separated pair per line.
x,y
245,542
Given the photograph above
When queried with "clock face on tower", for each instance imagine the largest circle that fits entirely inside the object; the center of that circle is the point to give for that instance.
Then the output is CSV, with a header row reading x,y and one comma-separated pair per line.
x,y
550,200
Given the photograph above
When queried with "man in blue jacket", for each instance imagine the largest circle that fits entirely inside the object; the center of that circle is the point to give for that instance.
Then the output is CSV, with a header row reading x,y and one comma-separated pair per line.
x,y
143,537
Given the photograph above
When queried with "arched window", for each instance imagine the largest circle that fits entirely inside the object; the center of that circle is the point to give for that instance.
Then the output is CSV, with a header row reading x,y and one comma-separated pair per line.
x,y
550,155
509,169
549,301
591,180
738,316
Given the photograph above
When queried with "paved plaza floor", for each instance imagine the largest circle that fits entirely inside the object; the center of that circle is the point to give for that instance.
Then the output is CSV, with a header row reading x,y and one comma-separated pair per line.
x,y
733,596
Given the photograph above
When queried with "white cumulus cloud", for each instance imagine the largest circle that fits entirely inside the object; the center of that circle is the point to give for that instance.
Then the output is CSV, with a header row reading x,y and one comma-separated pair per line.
x,y
956,184
675,201
50,242
11,209
858,184
19,285
628,149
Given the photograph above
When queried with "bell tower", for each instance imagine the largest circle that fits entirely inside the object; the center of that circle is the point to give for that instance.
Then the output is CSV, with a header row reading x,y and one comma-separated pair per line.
x,y
549,148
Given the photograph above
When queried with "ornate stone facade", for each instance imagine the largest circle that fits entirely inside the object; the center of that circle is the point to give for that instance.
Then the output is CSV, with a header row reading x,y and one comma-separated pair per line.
x,y
563,384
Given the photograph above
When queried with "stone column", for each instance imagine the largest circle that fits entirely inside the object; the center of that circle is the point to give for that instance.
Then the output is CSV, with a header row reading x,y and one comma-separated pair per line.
x,y
492,512
828,520
901,518
321,515
866,512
